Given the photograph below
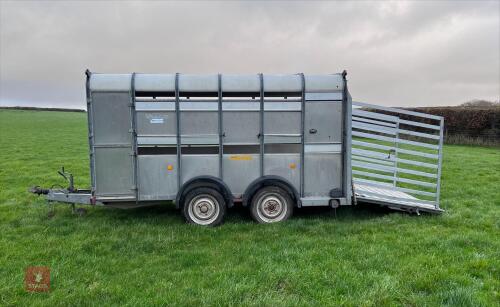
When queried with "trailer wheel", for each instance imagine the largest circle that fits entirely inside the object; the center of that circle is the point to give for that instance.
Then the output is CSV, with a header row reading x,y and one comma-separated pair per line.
x,y
204,206
271,204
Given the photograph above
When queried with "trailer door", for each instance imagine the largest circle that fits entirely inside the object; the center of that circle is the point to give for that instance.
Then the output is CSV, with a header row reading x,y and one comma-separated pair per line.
x,y
323,145
111,137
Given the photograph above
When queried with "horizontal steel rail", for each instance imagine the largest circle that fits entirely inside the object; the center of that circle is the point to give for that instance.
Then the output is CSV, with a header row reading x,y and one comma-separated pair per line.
x,y
417,163
373,183
283,134
384,156
371,121
419,134
389,139
375,115
157,135
379,161
154,100
404,180
373,154
417,153
411,123
393,131
389,148
380,155
391,169
370,127
400,111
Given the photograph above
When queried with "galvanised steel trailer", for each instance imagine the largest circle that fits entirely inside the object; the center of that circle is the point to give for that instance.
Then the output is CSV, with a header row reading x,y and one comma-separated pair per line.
x,y
271,142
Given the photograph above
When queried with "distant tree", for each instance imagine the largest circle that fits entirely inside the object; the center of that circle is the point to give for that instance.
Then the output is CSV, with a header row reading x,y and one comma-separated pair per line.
x,y
476,103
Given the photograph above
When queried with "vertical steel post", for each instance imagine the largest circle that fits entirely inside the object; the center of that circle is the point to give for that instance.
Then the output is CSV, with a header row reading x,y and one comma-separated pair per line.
x,y
396,151
178,127
344,133
221,133
440,162
90,131
347,183
261,132
302,135
134,137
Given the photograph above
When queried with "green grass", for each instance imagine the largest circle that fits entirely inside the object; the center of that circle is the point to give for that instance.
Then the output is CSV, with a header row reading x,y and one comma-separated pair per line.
x,y
365,256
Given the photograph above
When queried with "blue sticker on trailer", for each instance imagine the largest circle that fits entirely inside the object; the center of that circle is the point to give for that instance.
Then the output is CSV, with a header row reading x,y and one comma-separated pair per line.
x,y
157,120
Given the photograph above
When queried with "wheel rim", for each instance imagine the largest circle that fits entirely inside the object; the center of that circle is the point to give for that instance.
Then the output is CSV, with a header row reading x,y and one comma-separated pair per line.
x,y
271,208
203,209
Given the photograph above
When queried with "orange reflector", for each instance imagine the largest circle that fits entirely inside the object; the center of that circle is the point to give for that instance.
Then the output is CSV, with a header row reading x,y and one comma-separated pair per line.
x,y
292,165
170,167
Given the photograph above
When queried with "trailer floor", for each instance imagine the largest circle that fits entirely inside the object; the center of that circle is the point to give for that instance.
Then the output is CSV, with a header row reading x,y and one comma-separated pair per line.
x,y
392,199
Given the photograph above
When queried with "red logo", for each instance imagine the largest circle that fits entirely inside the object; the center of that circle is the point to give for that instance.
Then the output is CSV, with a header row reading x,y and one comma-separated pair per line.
x,y
37,279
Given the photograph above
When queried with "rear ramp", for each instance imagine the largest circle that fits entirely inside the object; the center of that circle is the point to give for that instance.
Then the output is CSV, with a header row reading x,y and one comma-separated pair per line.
x,y
396,157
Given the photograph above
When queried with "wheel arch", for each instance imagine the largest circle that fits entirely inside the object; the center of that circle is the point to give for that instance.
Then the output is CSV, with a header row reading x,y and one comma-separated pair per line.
x,y
204,181
271,180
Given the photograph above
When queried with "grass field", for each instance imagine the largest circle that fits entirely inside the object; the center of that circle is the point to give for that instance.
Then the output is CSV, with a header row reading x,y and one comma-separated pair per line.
x,y
365,256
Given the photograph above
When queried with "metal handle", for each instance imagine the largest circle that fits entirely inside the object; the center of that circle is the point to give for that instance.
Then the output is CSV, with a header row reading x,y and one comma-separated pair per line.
x,y
391,151
312,131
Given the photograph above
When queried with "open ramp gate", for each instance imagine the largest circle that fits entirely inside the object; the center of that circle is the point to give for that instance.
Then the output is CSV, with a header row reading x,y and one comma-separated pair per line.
x,y
396,157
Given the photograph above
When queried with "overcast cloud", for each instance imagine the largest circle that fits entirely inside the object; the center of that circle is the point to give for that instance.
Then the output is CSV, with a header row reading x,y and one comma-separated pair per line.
x,y
396,53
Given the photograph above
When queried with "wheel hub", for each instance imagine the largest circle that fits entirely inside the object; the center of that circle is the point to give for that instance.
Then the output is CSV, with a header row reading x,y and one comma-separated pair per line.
x,y
271,207
204,209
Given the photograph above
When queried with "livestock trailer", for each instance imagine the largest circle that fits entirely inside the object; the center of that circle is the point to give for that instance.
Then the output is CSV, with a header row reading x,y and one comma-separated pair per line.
x,y
269,142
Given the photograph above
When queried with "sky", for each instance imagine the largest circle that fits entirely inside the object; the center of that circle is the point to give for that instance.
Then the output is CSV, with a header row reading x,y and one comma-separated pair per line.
x,y
396,53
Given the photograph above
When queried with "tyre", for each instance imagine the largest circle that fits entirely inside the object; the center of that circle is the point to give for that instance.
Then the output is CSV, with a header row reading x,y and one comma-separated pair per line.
x,y
271,204
204,206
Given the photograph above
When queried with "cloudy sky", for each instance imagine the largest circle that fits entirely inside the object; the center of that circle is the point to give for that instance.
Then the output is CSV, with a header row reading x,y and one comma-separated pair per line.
x,y
396,53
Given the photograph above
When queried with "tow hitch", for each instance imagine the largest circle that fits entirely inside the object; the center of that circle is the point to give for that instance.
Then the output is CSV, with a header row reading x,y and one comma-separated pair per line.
x,y
69,195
